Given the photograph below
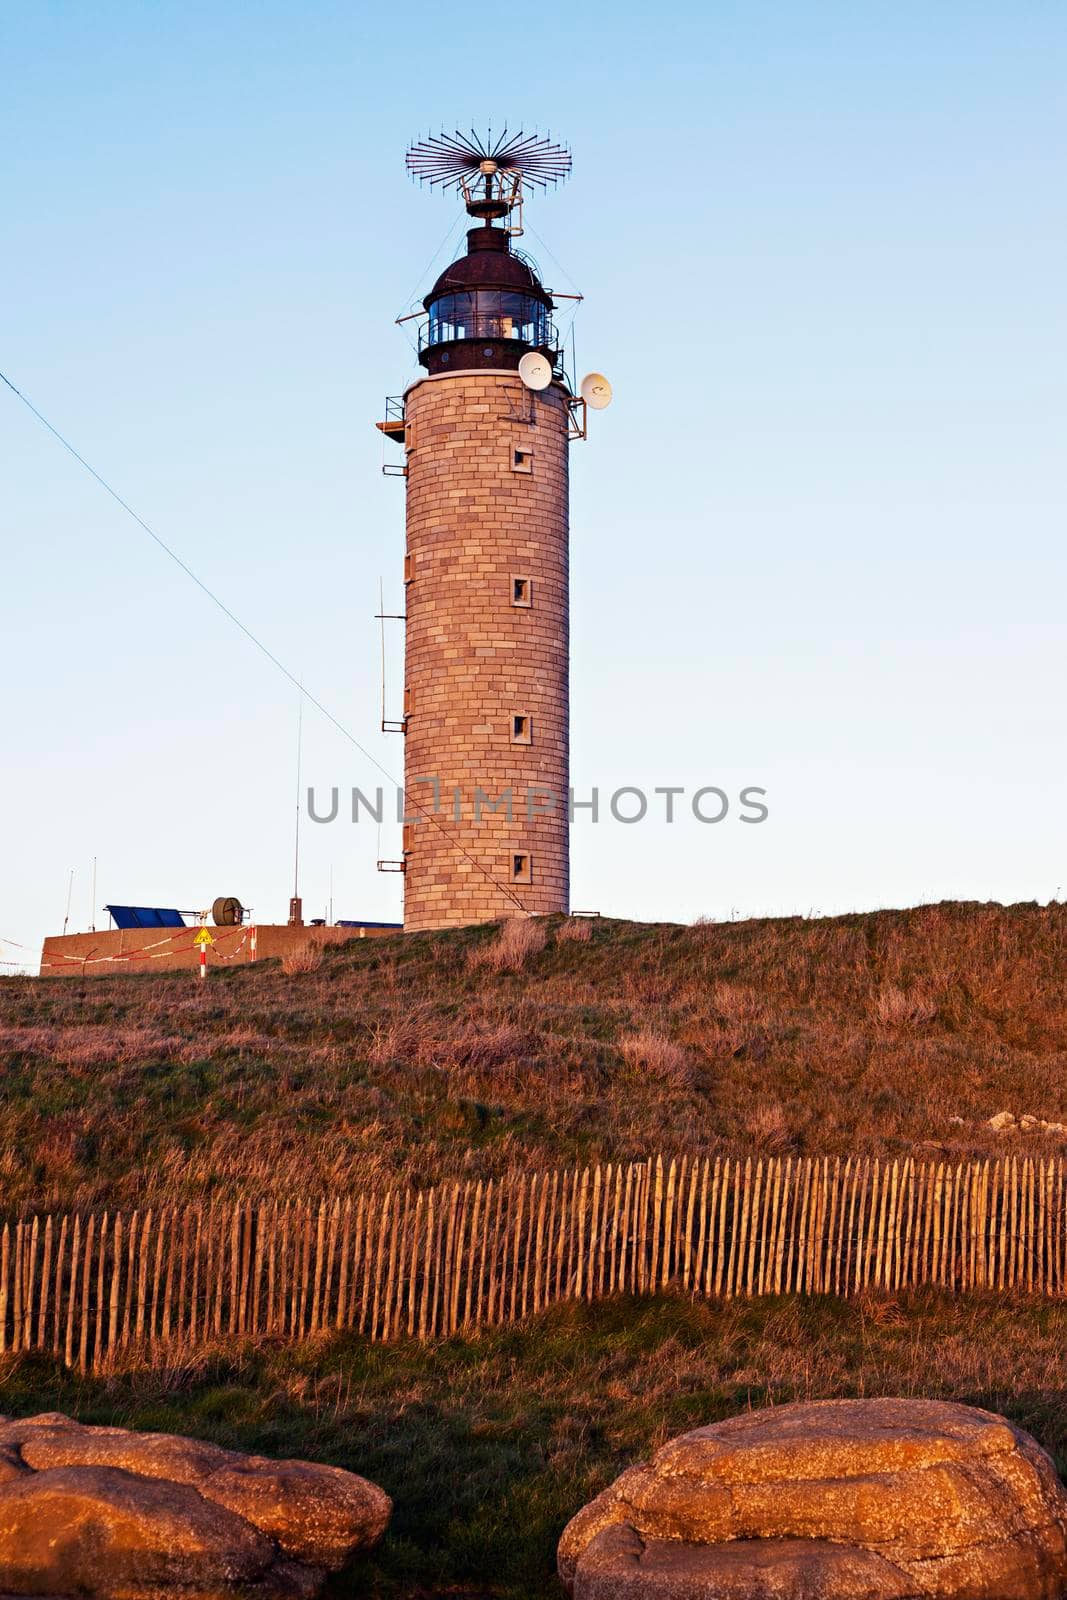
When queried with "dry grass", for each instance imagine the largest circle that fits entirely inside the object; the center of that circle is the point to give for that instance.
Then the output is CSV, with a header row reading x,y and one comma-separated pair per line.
x,y
577,929
307,957
659,1058
900,1008
517,941
457,1054
767,1127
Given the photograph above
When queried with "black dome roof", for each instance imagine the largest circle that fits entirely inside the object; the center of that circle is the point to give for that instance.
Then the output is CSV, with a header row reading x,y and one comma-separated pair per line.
x,y
488,264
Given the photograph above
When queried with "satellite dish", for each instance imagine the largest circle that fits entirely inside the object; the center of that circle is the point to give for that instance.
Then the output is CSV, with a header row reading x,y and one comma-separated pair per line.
x,y
535,370
596,391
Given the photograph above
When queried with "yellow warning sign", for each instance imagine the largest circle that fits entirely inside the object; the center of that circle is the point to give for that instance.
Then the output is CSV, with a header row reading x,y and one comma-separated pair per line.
x,y
204,937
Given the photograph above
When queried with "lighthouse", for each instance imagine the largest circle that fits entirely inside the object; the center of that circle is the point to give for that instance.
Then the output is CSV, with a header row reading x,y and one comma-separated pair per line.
x,y
486,429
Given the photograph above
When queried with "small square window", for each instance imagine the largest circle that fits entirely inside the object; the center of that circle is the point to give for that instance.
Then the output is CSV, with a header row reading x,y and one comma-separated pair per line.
x,y
521,591
408,838
521,728
409,567
521,459
521,867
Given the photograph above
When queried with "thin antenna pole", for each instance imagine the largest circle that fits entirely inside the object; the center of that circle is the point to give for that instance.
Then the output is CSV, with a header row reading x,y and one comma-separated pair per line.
x,y
299,759
92,907
70,891
331,896
381,624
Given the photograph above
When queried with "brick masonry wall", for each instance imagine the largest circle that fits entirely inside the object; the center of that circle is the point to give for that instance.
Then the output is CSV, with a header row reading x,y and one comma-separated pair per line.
x,y
475,660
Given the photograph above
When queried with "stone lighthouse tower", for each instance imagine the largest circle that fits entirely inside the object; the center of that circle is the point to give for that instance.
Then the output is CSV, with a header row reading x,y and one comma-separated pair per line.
x,y
486,432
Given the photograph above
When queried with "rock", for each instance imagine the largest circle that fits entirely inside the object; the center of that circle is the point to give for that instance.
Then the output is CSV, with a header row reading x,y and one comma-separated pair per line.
x,y
133,1516
1054,1127
619,1565
1002,1122
317,1513
837,1499
1028,1123
57,1441
96,1530
320,1514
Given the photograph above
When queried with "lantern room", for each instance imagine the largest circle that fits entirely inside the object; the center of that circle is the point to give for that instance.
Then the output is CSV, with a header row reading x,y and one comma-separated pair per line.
x,y
487,309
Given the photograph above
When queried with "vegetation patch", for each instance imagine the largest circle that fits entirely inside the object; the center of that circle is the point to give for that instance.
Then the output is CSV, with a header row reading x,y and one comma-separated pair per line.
x,y
489,1445
537,1044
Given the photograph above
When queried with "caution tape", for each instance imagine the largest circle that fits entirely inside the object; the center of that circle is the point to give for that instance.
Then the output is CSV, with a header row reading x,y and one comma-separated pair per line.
x,y
233,953
130,955
92,959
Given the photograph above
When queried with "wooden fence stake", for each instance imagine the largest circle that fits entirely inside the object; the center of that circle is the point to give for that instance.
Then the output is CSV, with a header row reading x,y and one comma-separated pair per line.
x,y
72,1291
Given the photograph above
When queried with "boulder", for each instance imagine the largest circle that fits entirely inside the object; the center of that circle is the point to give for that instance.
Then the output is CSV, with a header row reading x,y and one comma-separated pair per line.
x,y
320,1514
75,1529
131,1516
57,1441
619,1565
840,1499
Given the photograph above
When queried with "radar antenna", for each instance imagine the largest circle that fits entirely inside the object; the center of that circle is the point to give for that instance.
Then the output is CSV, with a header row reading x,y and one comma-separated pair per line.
x,y
489,173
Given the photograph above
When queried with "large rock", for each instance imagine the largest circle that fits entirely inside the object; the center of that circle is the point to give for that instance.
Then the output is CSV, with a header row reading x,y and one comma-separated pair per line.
x,y
131,1516
619,1565
94,1530
320,1514
839,1499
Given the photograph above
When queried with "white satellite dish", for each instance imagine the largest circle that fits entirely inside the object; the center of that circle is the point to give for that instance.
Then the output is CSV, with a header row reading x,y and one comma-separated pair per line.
x,y
535,370
596,391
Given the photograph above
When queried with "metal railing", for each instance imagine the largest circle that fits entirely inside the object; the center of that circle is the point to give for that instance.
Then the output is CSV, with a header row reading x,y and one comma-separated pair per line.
x,y
489,326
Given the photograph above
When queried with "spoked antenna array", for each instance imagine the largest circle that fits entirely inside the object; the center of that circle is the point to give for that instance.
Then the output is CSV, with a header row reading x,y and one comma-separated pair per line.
x,y
489,173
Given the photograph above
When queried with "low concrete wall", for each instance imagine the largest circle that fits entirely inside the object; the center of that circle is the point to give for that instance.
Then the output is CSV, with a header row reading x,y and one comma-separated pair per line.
x,y
78,955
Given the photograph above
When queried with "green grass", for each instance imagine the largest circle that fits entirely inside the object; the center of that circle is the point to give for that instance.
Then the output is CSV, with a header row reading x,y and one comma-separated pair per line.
x,y
488,1446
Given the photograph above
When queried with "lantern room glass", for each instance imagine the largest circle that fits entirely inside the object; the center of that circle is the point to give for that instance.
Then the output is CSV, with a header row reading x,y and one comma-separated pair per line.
x,y
489,314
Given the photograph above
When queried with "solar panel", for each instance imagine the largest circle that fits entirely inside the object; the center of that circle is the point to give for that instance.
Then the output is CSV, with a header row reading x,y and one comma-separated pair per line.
x,y
145,917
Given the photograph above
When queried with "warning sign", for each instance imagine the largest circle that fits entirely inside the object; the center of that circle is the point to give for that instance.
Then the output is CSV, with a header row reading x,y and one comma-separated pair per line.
x,y
204,937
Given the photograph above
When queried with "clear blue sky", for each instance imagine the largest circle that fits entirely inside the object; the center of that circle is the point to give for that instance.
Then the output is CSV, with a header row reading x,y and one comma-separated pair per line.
x,y
818,540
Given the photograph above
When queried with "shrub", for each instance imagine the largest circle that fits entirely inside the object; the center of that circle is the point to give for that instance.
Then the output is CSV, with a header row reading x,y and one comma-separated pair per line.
x,y
659,1058
737,1004
578,929
899,1007
307,957
519,938
768,1127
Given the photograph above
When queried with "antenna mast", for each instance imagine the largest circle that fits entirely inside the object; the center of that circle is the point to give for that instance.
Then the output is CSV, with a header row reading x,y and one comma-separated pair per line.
x,y
489,173
296,910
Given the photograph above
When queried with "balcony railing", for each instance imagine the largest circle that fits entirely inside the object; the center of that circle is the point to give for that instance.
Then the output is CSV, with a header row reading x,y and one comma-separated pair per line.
x,y
539,335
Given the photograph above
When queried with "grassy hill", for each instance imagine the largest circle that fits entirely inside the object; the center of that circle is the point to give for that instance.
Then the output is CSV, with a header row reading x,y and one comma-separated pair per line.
x,y
480,1050
544,1042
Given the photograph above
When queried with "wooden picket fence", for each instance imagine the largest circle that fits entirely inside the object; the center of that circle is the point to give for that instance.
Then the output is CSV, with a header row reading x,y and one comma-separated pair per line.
x,y
97,1289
